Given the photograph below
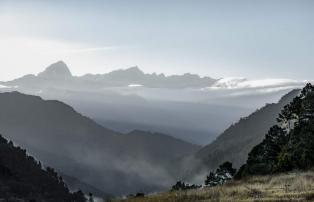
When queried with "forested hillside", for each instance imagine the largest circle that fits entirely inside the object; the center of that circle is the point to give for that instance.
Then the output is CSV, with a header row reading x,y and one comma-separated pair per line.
x,y
280,168
22,178
236,142
78,147
289,144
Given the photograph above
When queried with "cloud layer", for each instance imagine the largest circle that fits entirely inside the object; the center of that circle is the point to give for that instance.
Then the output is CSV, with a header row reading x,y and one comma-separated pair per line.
x,y
242,86
242,83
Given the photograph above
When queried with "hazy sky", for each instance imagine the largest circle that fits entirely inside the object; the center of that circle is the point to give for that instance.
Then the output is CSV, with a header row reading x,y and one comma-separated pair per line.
x,y
252,38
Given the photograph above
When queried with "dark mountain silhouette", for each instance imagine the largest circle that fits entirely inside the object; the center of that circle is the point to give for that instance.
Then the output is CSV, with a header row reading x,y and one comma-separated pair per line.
x,y
236,142
199,137
77,146
76,184
22,178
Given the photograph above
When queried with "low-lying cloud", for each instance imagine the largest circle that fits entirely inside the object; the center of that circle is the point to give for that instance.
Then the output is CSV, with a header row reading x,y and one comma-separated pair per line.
x,y
242,83
242,86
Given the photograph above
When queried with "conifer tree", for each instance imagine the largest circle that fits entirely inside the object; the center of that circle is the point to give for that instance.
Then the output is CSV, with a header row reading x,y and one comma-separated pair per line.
x,y
289,144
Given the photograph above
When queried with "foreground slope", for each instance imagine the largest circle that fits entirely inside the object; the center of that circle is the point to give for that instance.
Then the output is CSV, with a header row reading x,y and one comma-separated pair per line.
x,y
295,186
79,147
23,179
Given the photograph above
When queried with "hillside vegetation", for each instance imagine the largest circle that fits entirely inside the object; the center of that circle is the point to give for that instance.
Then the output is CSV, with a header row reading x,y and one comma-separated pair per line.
x,y
268,173
293,186
22,178
289,144
237,141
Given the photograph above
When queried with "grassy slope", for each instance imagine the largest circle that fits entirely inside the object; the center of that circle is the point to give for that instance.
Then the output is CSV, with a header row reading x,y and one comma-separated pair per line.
x,y
296,186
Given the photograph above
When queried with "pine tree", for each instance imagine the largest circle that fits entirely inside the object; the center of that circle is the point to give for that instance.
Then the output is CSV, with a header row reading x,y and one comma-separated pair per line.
x,y
224,173
289,144
91,198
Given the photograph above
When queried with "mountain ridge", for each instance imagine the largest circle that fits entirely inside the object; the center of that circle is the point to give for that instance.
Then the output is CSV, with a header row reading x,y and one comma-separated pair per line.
x,y
58,70
236,141
120,77
23,178
160,103
77,146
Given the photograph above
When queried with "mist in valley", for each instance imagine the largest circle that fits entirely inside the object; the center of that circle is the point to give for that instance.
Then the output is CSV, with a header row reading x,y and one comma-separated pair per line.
x,y
118,98
116,131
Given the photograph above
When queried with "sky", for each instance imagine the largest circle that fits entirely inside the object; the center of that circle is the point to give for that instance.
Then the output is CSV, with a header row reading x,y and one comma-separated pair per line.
x,y
218,38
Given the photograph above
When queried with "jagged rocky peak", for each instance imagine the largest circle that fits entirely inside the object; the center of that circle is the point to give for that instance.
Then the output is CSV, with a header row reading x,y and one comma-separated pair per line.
x,y
134,70
58,70
128,73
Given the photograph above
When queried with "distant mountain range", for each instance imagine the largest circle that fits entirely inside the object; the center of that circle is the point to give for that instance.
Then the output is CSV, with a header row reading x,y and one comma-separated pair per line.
x,y
135,77
120,78
92,156
189,107
126,100
77,146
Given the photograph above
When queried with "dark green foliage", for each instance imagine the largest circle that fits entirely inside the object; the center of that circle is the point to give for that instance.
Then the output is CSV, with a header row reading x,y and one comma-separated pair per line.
x,y
289,144
91,198
224,173
23,179
211,180
226,167
181,186
137,195
263,157
140,195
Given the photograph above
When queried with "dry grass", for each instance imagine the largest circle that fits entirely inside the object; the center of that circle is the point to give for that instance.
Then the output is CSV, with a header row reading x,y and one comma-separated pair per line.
x,y
297,186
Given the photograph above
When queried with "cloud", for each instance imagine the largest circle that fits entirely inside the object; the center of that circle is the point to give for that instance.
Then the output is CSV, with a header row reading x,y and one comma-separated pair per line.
x,y
86,50
242,83
237,86
2,86
24,45
135,85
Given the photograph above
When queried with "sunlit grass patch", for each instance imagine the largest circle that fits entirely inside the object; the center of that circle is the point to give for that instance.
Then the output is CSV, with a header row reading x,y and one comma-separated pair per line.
x,y
294,186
